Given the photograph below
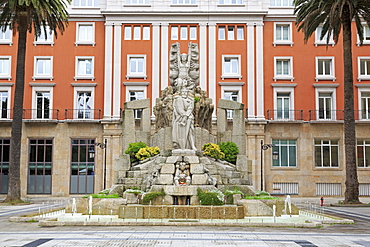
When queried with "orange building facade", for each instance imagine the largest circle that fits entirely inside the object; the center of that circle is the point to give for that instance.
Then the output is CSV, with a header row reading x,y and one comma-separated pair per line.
x,y
118,51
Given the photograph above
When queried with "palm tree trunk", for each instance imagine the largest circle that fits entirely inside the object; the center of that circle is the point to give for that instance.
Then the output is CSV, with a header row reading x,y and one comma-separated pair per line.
x,y
14,187
351,193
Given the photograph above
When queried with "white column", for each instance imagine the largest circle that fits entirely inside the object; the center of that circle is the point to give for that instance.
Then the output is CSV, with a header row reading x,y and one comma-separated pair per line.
x,y
164,58
250,68
259,72
108,71
203,56
155,63
117,70
212,84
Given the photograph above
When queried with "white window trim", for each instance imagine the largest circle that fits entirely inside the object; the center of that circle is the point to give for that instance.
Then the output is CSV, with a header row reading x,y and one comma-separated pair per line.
x,y
237,32
39,88
78,42
84,7
129,75
281,6
138,33
289,90
333,92
283,42
284,77
7,87
363,89
7,41
364,42
84,77
186,32
44,42
362,77
218,32
323,42
325,77
328,145
143,28
127,32
176,33
80,88
136,89
9,75
229,76
129,3
232,89
42,77
176,4
191,28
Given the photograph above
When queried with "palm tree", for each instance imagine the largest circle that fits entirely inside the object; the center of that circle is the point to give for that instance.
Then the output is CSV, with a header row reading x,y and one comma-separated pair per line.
x,y
24,16
336,16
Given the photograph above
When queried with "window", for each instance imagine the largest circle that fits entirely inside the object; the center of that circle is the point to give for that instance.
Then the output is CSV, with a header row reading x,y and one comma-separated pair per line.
x,y
193,33
85,3
230,33
240,35
325,68
365,105
183,33
40,166
127,32
43,68
137,35
85,34
230,2
231,67
282,106
139,2
5,65
322,41
146,33
281,3
6,36
43,38
221,33
366,33
326,153
4,165
82,166
4,105
233,96
84,105
136,66
183,1
43,105
283,34
84,68
137,95
283,68
174,33
325,106
363,153
364,68
287,153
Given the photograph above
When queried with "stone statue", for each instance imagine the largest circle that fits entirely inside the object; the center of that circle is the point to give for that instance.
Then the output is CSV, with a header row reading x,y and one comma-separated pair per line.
x,y
182,174
183,120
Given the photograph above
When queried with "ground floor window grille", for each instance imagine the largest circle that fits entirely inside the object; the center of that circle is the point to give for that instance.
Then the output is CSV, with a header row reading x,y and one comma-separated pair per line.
x,y
82,166
364,189
4,165
328,189
285,188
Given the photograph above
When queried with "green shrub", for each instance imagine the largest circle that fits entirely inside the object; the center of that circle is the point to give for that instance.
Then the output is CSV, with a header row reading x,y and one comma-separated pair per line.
x,y
262,193
230,149
102,196
213,150
133,148
213,197
229,194
152,195
146,152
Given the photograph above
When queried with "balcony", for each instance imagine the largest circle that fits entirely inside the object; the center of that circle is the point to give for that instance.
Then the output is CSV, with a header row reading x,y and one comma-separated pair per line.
x,y
41,115
326,115
6,115
285,115
82,115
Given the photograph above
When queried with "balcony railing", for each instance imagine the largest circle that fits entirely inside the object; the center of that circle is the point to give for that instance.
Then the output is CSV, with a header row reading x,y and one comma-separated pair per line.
x,y
362,115
82,114
326,115
6,114
285,115
40,114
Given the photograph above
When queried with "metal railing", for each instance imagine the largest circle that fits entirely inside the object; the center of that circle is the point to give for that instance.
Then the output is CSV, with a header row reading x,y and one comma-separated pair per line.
x,y
41,114
6,114
285,115
82,114
326,115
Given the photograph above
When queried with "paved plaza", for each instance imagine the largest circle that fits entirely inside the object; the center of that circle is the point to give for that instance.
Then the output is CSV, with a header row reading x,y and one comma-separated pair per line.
x,y
30,234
